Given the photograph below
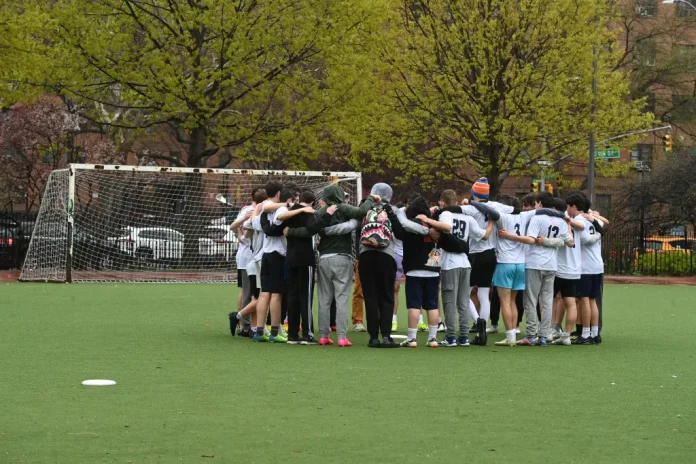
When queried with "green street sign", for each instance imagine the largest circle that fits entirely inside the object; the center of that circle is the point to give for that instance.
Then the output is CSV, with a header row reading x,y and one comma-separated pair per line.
x,y
608,153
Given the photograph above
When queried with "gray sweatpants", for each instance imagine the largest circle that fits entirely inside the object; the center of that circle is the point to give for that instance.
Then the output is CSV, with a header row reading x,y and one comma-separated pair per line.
x,y
539,288
455,299
335,275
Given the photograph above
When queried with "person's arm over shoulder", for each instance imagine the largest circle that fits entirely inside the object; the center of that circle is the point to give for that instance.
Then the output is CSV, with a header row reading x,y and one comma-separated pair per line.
x,y
486,210
476,232
343,228
356,212
397,229
408,225
501,208
271,230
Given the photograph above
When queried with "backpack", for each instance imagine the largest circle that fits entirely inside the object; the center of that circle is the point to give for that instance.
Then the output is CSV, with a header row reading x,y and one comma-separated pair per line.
x,y
376,229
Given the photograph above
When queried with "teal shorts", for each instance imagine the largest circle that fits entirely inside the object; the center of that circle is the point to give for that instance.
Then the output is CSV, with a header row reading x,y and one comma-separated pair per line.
x,y
509,276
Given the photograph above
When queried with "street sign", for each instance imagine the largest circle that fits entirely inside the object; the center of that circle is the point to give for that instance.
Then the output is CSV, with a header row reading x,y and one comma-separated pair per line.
x,y
608,153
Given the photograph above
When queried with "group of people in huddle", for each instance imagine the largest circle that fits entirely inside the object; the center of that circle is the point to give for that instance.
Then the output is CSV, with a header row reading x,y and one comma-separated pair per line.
x,y
541,257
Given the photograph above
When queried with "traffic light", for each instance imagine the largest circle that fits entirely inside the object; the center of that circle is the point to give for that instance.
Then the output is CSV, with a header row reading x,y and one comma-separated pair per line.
x,y
667,143
549,188
535,187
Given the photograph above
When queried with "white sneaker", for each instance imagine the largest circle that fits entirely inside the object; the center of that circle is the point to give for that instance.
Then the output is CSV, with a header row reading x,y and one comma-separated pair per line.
x,y
433,343
410,343
441,327
555,334
506,342
492,329
562,340
517,330
359,328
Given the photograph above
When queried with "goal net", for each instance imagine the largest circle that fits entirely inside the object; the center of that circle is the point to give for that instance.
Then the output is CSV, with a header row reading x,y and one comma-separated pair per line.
x,y
103,223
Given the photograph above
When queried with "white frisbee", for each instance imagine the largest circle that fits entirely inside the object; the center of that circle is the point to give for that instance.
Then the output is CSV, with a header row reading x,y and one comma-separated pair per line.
x,y
399,337
98,383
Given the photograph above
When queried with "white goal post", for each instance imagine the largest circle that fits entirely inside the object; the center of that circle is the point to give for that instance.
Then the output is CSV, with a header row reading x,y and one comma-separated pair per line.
x,y
112,223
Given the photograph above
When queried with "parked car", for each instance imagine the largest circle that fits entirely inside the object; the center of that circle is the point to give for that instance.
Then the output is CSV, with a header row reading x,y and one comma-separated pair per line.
x,y
9,246
151,243
218,241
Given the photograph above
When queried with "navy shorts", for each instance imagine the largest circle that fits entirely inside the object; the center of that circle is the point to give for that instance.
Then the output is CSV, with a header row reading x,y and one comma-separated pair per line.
x,y
273,273
566,287
590,286
482,268
422,293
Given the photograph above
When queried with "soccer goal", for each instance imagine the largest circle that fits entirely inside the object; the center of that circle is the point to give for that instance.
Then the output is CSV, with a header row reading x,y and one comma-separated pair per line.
x,y
108,223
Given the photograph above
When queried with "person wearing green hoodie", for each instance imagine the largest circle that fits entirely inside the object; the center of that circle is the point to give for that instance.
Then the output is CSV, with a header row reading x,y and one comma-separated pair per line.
x,y
335,265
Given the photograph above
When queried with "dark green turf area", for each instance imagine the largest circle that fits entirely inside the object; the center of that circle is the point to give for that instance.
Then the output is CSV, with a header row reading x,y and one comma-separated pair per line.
x,y
188,391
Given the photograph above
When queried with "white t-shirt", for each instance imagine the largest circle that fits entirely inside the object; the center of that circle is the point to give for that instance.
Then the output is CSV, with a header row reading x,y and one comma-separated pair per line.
x,y
244,252
257,240
463,227
478,246
509,251
540,257
398,244
276,244
569,258
592,262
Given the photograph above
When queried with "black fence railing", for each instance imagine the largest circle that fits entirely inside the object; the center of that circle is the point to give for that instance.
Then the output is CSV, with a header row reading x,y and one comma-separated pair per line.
x,y
628,252
15,235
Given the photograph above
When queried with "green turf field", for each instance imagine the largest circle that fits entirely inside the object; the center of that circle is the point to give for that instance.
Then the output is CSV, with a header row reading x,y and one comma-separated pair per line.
x,y
189,392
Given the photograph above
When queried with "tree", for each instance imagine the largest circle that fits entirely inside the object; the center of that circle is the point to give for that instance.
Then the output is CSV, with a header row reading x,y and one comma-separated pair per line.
x,y
497,86
258,77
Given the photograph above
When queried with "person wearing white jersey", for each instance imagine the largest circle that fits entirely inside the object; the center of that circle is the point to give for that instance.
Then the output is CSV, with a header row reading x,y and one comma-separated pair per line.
x,y
456,269
482,255
568,274
590,286
399,258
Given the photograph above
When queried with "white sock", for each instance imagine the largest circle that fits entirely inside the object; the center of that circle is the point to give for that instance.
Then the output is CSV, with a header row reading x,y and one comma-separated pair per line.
x,y
239,316
594,331
432,331
394,318
420,319
585,332
484,298
412,333
510,334
472,310
253,330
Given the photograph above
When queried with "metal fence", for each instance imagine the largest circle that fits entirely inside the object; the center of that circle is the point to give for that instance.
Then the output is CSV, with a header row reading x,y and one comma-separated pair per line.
x,y
627,251
15,235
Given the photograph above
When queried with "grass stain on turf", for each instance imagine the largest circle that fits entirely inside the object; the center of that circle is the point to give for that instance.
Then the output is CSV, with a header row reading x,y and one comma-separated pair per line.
x,y
188,392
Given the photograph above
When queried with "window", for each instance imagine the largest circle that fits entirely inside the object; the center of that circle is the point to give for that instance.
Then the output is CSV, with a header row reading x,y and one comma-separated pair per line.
x,y
642,153
604,204
683,108
644,52
684,10
646,7
685,57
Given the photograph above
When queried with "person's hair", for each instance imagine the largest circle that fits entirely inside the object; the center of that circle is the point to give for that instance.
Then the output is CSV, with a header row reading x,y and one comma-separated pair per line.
x,y
260,195
579,200
449,197
545,199
286,194
291,186
307,196
529,200
510,201
559,205
256,189
273,187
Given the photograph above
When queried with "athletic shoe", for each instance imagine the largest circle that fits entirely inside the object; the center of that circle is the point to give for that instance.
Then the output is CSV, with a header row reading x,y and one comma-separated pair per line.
x,y
323,341
373,343
526,342
582,341
493,329
441,327
517,330
422,327
563,340
432,343
261,338
597,339
294,341
245,333
482,336
309,340
277,339
449,341
388,342
395,326
412,343
234,322
555,334
541,341
359,327
268,330
506,342
344,342
463,341
473,329
333,328
284,328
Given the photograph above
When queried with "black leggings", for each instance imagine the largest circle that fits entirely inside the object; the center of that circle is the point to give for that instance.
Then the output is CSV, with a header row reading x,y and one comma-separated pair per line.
x,y
377,274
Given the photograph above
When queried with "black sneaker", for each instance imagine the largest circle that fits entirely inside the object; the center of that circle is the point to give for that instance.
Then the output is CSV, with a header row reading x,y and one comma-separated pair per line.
x,y
246,333
388,342
374,343
234,322
473,328
308,340
294,340
582,341
597,339
482,335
